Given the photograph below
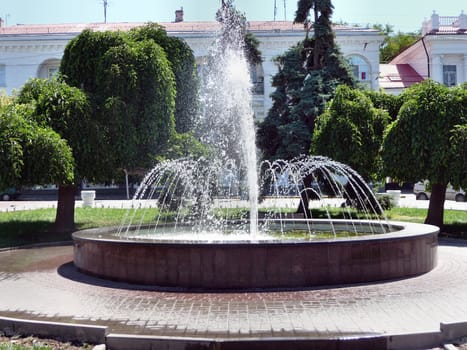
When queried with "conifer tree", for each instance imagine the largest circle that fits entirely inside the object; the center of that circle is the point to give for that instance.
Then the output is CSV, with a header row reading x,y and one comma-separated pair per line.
x,y
323,68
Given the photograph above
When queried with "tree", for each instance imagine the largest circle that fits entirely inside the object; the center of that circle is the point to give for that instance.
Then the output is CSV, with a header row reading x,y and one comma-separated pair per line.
x,y
183,65
136,103
319,67
67,111
130,88
275,135
30,153
323,43
82,56
393,45
428,141
252,52
382,100
351,131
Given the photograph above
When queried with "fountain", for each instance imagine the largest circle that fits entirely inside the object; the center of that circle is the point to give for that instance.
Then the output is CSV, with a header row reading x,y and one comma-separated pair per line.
x,y
213,230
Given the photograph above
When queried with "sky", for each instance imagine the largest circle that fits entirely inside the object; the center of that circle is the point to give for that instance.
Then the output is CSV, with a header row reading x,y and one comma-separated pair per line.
x,y
404,15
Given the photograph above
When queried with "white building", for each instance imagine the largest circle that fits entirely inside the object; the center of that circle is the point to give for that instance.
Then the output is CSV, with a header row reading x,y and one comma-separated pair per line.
x,y
28,51
440,54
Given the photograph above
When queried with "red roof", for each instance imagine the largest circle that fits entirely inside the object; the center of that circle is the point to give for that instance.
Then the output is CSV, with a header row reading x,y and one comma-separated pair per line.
x,y
398,76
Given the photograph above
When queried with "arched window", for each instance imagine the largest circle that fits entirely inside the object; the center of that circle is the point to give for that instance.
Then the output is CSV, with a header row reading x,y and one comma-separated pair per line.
x,y
48,68
361,68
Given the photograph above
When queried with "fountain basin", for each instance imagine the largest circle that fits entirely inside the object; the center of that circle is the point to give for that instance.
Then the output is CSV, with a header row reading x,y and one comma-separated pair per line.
x,y
408,251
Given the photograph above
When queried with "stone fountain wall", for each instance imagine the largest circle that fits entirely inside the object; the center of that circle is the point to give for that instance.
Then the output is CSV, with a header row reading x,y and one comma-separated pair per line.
x,y
256,265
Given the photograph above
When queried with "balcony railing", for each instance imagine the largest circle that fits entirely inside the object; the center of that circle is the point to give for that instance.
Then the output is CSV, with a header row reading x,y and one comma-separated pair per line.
x,y
445,24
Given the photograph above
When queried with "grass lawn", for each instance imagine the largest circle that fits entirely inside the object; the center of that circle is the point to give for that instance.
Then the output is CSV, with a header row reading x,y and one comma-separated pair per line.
x,y
34,226
455,221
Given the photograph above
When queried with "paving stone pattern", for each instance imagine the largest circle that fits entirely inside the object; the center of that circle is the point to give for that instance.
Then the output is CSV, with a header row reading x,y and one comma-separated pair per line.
x,y
42,283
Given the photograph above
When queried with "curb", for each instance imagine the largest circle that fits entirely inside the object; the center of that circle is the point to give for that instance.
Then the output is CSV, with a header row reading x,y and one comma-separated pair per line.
x,y
96,334
415,341
64,331
135,342
425,340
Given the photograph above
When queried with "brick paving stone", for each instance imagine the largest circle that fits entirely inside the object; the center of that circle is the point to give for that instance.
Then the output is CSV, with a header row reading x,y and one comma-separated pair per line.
x,y
47,286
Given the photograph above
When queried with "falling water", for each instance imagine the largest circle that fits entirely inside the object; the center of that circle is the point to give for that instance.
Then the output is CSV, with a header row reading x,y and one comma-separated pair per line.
x,y
194,189
227,122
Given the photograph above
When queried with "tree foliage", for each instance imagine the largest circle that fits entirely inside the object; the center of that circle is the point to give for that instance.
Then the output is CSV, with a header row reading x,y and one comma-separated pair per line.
x,y
31,153
253,54
323,44
394,44
136,101
130,87
82,56
132,92
382,100
183,65
276,127
427,141
351,131
67,111
308,76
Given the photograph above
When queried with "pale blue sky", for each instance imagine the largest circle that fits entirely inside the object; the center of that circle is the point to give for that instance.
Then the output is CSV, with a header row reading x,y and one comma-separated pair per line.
x,y
405,15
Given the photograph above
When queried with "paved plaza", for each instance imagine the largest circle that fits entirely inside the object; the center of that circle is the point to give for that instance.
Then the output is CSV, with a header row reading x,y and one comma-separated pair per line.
x,y
43,284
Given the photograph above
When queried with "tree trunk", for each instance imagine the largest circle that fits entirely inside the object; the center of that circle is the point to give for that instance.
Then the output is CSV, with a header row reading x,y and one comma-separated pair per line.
x,y
65,218
436,207
306,195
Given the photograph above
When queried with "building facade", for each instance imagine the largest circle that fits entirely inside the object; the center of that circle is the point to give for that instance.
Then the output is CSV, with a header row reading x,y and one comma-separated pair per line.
x,y
29,51
440,54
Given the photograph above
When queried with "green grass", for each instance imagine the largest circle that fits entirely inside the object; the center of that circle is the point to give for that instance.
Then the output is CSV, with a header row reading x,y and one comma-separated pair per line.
x,y
407,214
455,221
35,226
451,217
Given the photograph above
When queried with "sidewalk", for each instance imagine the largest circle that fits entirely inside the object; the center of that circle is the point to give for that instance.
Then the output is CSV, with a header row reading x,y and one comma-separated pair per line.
x,y
43,284
406,201
46,286
30,205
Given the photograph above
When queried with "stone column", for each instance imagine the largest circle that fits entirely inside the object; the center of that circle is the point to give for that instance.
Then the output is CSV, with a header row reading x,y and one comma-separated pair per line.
x,y
462,21
374,77
465,68
434,22
437,68
270,69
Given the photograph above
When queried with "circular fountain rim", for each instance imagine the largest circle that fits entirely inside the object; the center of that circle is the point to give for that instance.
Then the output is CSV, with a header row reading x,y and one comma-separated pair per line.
x,y
242,265
402,229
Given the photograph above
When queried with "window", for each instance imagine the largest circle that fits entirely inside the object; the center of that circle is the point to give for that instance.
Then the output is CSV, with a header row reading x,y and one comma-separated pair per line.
x,y
361,68
2,75
257,79
449,75
53,71
48,69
